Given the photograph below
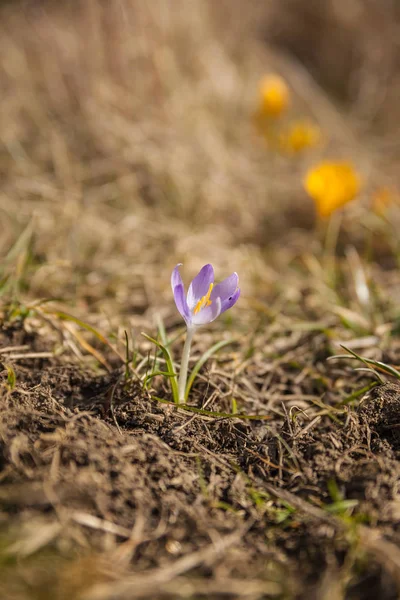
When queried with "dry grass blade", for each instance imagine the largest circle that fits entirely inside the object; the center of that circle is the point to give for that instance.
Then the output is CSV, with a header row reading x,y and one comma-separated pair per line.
x,y
93,522
36,536
65,317
86,346
150,583
181,587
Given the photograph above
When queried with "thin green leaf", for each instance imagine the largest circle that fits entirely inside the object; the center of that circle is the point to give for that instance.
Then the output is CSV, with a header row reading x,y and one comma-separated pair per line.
x,y
162,331
234,406
212,413
367,370
334,491
67,317
42,301
225,506
21,244
204,358
341,506
11,377
369,361
170,366
127,357
154,374
358,393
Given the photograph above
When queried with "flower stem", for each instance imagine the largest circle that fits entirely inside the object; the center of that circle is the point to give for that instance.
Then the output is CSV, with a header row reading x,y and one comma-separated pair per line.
x,y
183,373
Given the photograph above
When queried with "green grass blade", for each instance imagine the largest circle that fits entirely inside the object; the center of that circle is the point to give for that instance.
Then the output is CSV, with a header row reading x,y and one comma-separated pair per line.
x,y
234,406
341,507
162,332
204,358
67,317
21,244
213,413
11,377
355,395
127,356
170,366
369,361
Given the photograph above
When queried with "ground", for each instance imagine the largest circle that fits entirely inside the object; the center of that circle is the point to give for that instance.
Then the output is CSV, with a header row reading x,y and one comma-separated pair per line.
x,y
128,144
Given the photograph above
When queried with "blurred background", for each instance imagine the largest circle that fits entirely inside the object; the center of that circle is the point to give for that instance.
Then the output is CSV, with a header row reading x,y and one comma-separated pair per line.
x,y
261,136
136,135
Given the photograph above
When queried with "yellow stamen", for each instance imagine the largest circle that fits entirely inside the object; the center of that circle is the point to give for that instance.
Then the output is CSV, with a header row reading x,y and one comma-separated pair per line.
x,y
205,300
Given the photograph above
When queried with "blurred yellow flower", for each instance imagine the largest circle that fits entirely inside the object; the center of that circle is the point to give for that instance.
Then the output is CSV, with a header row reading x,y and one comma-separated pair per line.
x,y
332,185
300,134
274,96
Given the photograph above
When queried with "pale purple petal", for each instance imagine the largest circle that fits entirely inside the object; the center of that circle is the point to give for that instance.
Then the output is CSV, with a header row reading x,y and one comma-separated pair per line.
x,y
181,304
200,286
207,314
230,300
176,278
226,288
228,291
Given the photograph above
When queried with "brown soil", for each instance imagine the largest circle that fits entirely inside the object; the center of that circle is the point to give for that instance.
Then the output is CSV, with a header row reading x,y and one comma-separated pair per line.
x,y
247,508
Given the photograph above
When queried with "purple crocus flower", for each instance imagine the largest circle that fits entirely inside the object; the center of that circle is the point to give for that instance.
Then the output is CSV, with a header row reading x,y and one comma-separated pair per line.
x,y
202,304
204,301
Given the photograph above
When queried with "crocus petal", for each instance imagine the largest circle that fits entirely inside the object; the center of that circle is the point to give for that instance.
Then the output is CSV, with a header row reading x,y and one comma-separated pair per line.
x,y
230,300
207,314
181,304
176,278
226,288
200,286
